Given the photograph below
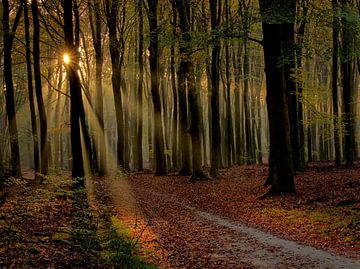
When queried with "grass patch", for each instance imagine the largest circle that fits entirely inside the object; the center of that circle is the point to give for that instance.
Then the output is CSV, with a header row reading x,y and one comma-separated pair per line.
x,y
340,223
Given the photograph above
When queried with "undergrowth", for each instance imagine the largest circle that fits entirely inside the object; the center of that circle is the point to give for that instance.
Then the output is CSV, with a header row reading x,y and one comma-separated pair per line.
x,y
51,224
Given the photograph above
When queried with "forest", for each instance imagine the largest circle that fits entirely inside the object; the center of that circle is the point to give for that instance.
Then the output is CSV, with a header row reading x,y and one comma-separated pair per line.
x,y
179,134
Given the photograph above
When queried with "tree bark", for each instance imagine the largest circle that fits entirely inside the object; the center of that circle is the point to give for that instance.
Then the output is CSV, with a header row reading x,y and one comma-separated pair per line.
x,y
139,123
160,167
38,89
215,11
347,73
75,92
280,162
96,30
335,68
31,92
8,37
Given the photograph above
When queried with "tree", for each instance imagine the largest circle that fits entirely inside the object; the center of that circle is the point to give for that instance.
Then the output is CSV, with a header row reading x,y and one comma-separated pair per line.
x,y
215,12
31,91
139,111
160,167
116,48
187,72
75,92
38,89
96,31
8,37
274,14
347,72
335,68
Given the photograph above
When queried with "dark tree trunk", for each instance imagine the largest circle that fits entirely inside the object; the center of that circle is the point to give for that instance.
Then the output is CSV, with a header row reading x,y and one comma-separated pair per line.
x,y
75,92
280,162
335,68
96,30
38,89
347,73
160,168
288,46
8,36
116,64
299,45
215,156
31,92
193,95
238,118
229,121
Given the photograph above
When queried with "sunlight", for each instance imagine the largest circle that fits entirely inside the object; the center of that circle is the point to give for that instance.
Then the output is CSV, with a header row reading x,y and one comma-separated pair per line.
x,y
66,58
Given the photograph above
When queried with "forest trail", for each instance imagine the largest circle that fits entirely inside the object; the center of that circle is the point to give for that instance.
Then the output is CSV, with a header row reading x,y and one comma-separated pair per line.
x,y
186,237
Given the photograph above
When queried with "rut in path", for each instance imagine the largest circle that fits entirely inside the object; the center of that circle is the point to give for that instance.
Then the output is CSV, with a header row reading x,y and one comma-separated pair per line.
x,y
197,239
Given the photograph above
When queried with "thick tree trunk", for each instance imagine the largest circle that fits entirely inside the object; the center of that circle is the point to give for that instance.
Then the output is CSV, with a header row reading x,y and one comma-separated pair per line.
x,y
8,36
280,163
193,95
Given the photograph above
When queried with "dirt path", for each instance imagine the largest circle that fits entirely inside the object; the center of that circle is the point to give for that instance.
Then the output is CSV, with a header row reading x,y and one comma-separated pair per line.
x,y
186,237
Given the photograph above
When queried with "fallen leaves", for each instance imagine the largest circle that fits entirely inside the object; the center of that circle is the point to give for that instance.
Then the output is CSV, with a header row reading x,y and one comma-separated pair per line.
x,y
310,216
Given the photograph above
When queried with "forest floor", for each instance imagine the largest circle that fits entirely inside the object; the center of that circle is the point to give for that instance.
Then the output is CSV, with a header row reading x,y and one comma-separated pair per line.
x,y
170,222
222,223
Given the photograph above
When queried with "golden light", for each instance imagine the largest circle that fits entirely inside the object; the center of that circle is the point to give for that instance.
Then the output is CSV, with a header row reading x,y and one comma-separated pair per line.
x,y
66,58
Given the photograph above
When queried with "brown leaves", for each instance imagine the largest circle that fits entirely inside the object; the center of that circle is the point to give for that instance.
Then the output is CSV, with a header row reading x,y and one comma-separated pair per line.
x,y
309,216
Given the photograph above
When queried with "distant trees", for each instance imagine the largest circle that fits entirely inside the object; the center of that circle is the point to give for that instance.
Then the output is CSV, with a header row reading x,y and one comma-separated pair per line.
x,y
179,85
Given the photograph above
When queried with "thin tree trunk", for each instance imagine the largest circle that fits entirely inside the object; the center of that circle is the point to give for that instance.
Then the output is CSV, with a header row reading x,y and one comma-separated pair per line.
x,y
8,37
139,148
160,168
215,10
38,90
335,67
31,91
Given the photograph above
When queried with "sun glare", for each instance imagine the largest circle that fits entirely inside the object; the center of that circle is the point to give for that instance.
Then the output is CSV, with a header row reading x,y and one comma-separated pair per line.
x,y
66,58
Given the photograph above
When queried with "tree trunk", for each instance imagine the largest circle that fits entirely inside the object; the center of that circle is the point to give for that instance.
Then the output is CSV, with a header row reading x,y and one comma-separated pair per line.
x,y
280,162
347,73
139,123
288,46
116,65
174,129
215,10
96,30
75,92
31,92
160,168
38,89
335,69
8,36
